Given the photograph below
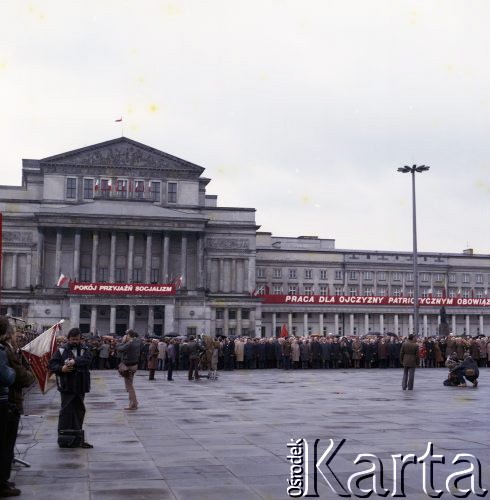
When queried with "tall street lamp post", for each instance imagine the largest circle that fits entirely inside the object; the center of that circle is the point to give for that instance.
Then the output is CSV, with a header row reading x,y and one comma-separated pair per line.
x,y
412,170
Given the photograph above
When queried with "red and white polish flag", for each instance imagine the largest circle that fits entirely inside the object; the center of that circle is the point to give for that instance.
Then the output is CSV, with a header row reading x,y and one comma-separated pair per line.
x,y
62,280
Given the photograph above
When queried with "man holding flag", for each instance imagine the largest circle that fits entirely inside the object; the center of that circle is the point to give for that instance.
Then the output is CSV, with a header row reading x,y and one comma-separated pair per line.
x,y
70,363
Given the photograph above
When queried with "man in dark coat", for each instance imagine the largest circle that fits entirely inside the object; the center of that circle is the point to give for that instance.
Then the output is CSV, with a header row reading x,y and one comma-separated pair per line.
x,y
70,363
409,358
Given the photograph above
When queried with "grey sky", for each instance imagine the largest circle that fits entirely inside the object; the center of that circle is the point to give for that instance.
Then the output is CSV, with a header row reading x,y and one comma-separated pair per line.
x,y
302,109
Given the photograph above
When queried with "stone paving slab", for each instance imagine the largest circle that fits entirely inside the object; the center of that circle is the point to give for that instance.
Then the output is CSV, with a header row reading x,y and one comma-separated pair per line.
x,y
227,439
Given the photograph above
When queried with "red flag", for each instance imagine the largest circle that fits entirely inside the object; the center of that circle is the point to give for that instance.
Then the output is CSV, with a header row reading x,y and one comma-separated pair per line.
x,y
38,353
97,185
284,332
62,280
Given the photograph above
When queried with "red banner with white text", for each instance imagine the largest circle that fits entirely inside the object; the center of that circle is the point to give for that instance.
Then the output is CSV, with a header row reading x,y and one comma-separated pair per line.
x,y
121,288
347,300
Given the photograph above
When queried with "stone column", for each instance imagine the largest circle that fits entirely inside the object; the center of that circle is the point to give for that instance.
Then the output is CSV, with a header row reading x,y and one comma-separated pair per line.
x,y
381,323
226,321
410,324
74,315
396,324
305,324
366,323
351,324
200,260
95,251
93,320
76,255
151,319
467,324
239,321
14,271
252,325
112,260
132,311
290,323
320,323
40,256
28,269
425,330
249,285
453,324
336,324
274,325
112,320
221,276
130,258
183,260
165,253
148,258
169,326
57,256
481,324
233,287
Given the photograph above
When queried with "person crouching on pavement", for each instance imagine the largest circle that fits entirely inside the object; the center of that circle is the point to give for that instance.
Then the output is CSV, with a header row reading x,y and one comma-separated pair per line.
x,y
467,368
130,351
70,363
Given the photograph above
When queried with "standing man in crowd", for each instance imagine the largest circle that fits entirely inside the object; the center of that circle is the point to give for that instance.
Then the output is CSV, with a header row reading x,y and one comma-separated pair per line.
x,y
409,358
70,363
130,350
7,378
23,378
171,355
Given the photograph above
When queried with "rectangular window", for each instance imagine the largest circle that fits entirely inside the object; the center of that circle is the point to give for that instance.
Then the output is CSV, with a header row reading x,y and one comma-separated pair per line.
x,y
172,192
231,331
438,293
452,277
352,291
439,277
71,188
277,289
85,274
260,271
466,293
103,274
219,313
191,330
339,291
139,189
382,291
368,292
425,292
277,272
381,276
292,274
466,278
397,276
479,278
260,290
120,275
155,275
155,191
231,313
88,189
292,290
245,313
323,274
452,293
308,289
479,293
137,275
424,276
367,275
338,275
324,290
352,275
409,276
397,292
409,292
105,188
218,332
122,188
308,274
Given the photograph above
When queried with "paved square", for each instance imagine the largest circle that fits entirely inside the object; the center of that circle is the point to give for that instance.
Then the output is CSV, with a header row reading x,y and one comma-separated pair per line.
x,y
227,439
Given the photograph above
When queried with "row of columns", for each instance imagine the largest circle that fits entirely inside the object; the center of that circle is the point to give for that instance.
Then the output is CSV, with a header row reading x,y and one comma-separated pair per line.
x,y
15,272
425,331
239,320
164,264
235,285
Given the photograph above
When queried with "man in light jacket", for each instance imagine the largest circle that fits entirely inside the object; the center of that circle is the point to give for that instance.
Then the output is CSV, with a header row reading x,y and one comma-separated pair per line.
x,y
130,350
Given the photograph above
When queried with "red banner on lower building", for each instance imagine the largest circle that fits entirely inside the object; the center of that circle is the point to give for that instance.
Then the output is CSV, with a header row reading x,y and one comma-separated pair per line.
x,y
347,300
121,288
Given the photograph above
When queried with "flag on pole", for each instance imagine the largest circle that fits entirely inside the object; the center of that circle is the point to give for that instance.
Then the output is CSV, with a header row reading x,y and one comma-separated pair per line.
x,y
62,280
119,119
284,332
178,282
38,353
96,185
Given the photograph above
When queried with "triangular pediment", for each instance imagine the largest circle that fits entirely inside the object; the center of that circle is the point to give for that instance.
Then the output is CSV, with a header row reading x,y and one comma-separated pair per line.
x,y
123,152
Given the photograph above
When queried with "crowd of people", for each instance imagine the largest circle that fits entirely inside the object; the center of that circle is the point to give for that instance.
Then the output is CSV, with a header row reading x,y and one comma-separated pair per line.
x,y
315,352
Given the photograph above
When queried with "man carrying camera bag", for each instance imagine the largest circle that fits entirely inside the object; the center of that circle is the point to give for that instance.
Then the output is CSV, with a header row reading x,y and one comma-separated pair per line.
x,y
70,363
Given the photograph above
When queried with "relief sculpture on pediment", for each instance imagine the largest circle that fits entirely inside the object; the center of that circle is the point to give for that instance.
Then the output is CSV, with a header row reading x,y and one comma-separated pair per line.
x,y
227,243
17,238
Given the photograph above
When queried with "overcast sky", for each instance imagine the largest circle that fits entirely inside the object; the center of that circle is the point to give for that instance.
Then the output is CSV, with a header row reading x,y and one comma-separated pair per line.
x,y
302,109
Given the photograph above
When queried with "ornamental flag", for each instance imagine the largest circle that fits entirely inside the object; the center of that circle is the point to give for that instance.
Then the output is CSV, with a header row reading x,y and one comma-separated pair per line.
x,y
62,280
38,353
284,332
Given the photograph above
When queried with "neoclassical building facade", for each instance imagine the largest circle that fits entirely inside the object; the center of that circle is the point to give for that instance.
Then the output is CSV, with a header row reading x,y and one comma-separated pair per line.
x,y
145,247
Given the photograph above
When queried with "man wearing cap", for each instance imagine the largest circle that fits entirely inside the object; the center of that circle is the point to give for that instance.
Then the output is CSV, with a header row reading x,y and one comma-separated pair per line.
x,y
409,358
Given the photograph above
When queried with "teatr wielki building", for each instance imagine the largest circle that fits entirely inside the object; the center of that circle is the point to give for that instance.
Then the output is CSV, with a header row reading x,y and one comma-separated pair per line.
x,y
146,248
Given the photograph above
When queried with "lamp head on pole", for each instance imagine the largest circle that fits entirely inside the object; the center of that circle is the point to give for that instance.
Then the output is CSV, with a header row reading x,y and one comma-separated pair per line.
x,y
414,168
